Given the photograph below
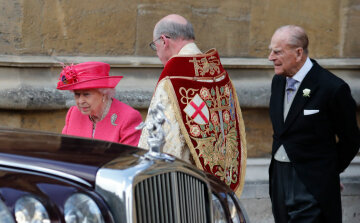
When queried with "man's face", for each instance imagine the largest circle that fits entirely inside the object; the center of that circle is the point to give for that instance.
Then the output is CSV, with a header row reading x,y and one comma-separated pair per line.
x,y
162,49
284,57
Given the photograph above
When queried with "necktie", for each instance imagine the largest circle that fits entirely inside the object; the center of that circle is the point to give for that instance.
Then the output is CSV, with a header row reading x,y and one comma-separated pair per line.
x,y
290,88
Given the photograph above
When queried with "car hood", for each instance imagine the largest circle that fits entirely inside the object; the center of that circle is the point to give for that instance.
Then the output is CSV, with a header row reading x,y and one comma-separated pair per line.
x,y
53,153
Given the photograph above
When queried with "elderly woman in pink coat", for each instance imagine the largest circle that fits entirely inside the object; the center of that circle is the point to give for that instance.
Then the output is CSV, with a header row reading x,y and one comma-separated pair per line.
x,y
97,114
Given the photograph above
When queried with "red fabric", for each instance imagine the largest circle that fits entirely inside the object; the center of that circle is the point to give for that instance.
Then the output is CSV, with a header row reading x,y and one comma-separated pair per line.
x,y
219,98
124,132
182,66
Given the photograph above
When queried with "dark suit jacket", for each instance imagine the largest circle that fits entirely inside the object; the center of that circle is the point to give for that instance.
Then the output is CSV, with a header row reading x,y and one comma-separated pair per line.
x,y
321,145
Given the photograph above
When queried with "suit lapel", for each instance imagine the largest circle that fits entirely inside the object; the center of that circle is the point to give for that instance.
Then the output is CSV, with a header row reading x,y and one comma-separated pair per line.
x,y
277,103
309,82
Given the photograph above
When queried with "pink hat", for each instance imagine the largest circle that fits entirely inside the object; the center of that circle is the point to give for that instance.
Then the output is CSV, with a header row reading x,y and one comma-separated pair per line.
x,y
87,75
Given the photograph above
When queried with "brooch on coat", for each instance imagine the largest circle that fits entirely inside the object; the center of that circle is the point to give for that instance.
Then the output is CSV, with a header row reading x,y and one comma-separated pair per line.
x,y
113,119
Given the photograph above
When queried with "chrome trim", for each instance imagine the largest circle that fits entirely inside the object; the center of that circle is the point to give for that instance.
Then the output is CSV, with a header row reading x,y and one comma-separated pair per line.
x,y
181,197
242,208
156,118
156,139
156,156
117,186
44,170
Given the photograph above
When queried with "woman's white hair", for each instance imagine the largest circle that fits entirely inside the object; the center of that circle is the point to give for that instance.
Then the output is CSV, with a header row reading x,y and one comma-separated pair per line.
x,y
108,92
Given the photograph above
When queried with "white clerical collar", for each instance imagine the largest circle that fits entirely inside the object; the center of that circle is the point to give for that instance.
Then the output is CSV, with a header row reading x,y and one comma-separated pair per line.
x,y
300,75
189,49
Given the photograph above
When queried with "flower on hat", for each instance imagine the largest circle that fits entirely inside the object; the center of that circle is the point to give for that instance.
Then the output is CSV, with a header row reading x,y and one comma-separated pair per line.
x,y
306,92
68,75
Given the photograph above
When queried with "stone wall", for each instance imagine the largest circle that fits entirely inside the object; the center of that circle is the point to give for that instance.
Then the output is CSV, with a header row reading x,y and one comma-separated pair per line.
x,y
37,35
237,28
29,98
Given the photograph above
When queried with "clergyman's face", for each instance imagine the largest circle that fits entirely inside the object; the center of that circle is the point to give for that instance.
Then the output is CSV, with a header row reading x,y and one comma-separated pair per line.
x,y
162,49
283,56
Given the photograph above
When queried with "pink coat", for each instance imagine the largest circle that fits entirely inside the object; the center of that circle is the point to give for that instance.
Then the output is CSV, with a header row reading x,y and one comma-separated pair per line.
x,y
120,130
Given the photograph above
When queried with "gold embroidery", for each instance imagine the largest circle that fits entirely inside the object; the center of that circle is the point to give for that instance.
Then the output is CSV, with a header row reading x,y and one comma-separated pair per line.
x,y
195,138
187,95
217,141
200,134
228,170
206,66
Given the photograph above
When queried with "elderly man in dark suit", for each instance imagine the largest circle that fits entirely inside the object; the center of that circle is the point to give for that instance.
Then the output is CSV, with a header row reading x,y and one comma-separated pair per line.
x,y
315,132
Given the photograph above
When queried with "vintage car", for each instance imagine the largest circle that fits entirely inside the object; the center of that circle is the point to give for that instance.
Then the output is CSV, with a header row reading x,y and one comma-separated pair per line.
x,y
46,177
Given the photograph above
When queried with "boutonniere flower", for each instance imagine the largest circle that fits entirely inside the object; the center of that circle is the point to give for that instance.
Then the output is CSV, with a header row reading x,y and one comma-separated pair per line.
x,y
306,92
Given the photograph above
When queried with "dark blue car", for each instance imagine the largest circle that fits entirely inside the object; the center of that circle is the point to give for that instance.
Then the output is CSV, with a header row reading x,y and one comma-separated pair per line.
x,y
48,177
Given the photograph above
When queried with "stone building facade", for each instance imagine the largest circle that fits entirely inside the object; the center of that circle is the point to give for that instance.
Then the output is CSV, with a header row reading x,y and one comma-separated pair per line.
x,y
36,36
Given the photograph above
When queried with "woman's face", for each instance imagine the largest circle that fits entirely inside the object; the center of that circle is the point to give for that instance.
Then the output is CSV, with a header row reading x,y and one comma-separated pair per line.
x,y
89,101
